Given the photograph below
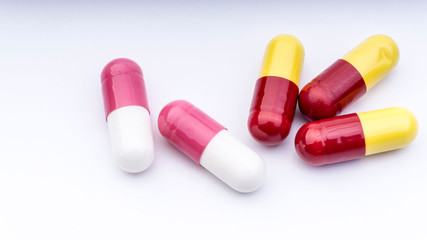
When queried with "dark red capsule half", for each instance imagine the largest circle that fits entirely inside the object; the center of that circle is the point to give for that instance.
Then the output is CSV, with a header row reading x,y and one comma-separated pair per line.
x,y
327,94
331,140
273,109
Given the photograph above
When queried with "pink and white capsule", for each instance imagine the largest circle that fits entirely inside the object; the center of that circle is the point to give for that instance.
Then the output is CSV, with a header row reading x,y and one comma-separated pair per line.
x,y
209,144
128,117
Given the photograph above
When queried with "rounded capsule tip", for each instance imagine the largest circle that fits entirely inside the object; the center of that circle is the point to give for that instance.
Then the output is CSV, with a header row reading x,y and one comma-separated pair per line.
x,y
268,128
170,115
288,39
308,144
135,160
314,103
234,163
119,66
412,128
250,177
388,48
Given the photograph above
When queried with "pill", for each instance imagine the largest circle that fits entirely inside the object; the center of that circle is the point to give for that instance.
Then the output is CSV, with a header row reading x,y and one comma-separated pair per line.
x,y
210,145
348,78
128,117
356,135
276,90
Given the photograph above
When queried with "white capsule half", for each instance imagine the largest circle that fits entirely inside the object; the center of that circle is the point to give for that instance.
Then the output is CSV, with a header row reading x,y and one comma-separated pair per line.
x,y
131,138
233,162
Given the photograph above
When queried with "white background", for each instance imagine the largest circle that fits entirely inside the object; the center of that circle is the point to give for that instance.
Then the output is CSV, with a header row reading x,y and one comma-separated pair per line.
x,y
57,176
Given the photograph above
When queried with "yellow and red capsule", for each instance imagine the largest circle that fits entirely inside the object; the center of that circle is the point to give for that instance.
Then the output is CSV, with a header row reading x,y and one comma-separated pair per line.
x,y
348,78
356,135
276,91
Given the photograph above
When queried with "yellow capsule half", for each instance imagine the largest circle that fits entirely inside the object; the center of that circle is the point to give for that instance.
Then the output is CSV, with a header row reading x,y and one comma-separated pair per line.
x,y
388,129
283,58
374,58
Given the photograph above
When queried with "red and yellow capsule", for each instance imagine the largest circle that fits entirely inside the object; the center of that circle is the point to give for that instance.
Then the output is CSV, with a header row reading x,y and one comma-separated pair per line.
x,y
356,135
348,78
276,91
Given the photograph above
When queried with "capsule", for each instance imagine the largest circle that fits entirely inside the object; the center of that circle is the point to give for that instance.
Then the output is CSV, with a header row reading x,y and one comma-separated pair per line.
x,y
276,90
356,135
209,144
128,117
348,78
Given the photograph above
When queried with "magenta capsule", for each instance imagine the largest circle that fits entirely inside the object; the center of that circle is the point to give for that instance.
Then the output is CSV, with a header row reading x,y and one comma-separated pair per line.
x,y
209,144
128,117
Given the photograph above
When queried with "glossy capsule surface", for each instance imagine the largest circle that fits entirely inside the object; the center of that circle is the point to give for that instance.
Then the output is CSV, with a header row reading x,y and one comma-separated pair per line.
x,y
276,91
210,145
348,78
356,135
128,116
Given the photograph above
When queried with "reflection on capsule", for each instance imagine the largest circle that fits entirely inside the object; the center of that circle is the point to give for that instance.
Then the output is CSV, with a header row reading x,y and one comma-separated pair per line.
x,y
209,144
276,91
348,78
356,135
128,118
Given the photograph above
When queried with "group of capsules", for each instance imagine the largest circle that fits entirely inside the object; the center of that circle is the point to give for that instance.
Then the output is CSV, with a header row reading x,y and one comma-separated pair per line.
x,y
327,139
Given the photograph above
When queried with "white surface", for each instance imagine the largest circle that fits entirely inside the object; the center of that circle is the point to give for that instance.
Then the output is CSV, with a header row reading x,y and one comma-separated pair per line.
x,y
57,177
233,162
131,138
